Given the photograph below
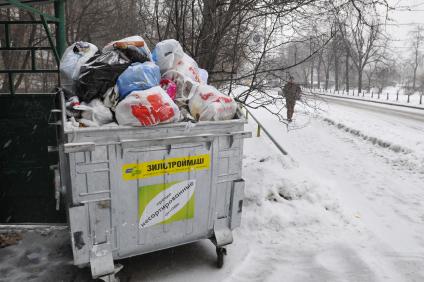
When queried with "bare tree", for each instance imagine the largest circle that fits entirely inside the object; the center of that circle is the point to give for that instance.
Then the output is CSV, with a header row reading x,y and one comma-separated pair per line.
x,y
239,42
362,44
417,38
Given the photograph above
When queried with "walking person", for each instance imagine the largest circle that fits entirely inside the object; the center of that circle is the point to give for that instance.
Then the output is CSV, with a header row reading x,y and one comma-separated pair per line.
x,y
291,92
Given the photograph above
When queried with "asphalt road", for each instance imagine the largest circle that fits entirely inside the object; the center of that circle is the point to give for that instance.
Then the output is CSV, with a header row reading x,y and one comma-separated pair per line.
x,y
413,114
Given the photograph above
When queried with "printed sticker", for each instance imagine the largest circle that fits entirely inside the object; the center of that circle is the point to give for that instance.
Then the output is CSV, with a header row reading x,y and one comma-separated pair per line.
x,y
166,203
160,167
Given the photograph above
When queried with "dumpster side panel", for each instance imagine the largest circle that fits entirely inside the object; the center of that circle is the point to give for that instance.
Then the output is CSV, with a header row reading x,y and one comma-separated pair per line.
x,y
230,154
90,187
189,225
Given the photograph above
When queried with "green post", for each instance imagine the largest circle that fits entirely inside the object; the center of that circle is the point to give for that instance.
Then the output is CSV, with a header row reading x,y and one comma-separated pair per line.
x,y
59,10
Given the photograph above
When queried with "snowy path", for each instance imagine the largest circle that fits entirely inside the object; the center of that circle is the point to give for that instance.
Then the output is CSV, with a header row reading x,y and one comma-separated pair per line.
x,y
381,191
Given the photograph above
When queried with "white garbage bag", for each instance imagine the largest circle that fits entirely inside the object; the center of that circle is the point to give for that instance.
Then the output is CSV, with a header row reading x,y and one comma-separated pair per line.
x,y
169,55
94,113
147,108
166,53
73,58
186,87
208,104
204,75
187,66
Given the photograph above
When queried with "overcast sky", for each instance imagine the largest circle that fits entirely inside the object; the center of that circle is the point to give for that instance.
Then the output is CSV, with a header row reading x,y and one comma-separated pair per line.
x,y
407,15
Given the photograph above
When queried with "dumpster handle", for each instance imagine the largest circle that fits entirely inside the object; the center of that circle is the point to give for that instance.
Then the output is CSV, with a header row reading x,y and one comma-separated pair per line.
x,y
131,143
135,143
57,182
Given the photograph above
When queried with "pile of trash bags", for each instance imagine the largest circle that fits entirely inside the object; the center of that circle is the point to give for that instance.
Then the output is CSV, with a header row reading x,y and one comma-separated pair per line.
x,y
126,84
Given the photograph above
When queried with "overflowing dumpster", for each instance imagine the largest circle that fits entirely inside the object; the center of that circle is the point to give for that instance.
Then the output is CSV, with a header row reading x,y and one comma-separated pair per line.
x,y
135,190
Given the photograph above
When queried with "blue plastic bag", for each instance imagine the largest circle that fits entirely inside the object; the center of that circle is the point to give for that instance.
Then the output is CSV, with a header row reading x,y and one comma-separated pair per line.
x,y
138,76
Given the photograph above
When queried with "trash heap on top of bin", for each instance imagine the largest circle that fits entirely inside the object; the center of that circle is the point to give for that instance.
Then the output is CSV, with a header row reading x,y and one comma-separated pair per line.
x,y
126,84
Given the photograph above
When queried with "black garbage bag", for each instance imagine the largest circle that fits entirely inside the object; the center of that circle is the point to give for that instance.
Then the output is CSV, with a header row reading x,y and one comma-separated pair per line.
x,y
100,73
135,54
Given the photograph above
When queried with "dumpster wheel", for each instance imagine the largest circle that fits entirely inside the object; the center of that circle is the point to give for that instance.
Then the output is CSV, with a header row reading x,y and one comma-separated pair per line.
x,y
220,252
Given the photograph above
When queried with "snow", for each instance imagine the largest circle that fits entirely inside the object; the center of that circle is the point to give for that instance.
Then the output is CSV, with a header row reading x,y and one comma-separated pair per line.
x,y
376,195
392,94
7,144
346,204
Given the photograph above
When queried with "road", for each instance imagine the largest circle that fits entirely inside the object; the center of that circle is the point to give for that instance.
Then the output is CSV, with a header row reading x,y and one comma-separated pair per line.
x,y
381,108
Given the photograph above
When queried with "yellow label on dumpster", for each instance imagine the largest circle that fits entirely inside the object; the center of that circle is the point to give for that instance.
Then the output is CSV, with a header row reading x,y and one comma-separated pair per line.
x,y
160,167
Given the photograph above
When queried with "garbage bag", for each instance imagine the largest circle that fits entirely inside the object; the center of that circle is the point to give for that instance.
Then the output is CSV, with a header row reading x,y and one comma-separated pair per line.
x,y
94,113
134,47
74,57
147,108
111,98
99,74
138,76
204,75
170,87
186,86
166,53
70,103
208,104
188,67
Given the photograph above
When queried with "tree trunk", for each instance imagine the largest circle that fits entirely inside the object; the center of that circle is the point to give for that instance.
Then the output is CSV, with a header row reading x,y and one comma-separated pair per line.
x,y
347,72
360,72
319,72
305,77
327,77
312,74
336,69
206,35
414,79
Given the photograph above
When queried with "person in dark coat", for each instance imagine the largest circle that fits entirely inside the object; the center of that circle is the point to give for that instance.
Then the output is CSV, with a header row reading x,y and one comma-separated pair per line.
x,y
291,92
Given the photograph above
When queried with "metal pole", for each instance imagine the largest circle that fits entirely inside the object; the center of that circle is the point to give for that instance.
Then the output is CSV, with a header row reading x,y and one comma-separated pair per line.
x,y
397,95
11,83
59,10
284,152
387,95
49,37
7,35
421,98
258,132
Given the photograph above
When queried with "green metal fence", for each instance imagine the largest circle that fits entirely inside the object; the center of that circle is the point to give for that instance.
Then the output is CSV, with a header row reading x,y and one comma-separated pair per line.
x,y
26,186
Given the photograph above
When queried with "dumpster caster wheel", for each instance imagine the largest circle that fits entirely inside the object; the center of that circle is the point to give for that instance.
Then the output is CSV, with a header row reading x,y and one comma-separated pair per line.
x,y
220,252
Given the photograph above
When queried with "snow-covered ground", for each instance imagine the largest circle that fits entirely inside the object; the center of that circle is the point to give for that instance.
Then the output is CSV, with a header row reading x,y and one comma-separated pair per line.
x,y
395,95
367,195
346,204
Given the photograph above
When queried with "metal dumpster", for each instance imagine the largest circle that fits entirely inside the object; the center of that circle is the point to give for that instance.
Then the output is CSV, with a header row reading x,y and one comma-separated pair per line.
x,y
135,190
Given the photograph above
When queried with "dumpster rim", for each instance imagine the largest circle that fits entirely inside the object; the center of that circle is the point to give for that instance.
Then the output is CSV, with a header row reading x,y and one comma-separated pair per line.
x,y
240,120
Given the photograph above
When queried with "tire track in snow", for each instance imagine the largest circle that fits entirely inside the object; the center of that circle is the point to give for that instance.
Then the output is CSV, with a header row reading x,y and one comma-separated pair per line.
x,y
372,139
406,155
